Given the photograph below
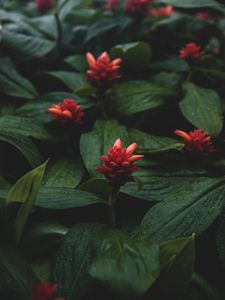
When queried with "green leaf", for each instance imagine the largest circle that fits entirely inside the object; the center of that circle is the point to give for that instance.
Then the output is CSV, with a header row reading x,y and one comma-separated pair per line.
x,y
66,7
135,56
78,62
148,143
202,108
42,269
96,186
177,259
74,258
25,191
162,181
65,198
101,27
23,145
203,289
195,4
127,266
220,238
65,173
46,234
27,45
189,211
74,81
15,274
12,83
97,142
138,96
23,127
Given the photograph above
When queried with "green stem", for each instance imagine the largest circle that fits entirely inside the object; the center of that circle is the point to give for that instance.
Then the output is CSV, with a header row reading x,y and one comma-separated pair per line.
x,y
112,212
100,103
59,31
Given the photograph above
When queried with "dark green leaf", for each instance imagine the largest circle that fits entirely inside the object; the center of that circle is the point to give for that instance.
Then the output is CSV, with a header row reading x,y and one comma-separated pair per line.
x,y
137,96
177,259
12,83
15,274
74,258
135,56
127,266
65,198
65,173
148,143
220,238
202,107
185,212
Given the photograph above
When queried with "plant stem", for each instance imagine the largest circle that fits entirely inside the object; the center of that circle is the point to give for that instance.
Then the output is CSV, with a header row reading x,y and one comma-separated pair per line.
x,y
59,31
100,103
112,204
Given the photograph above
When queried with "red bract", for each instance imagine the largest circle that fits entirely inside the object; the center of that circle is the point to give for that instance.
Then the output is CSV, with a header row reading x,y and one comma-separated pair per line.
x,y
138,8
196,141
203,16
67,112
111,4
44,5
191,51
118,165
165,11
103,72
44,291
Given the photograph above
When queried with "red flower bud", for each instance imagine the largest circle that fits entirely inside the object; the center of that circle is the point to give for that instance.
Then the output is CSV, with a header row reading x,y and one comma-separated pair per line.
x,y
191,52
165,11
137,8
118,164
111,4
44,291
44,5
67,112
203,16
196,141
103,72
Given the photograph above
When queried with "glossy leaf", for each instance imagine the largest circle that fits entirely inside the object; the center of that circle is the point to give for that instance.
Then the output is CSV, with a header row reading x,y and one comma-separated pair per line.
x,y
148,143
12,83
185,212
81,245
135,56
127,266
25,191
202,107
138,96
65,198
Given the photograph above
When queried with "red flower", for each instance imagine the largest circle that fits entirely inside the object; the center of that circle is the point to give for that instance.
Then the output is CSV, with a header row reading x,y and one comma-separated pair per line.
x,y
191,51
111,4
137,8
203,16
196,141
118,165
165,11
44,291
103,72
44,5
67,112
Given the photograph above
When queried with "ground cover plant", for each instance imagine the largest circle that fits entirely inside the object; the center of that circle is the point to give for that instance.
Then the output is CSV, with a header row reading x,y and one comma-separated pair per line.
x,y
112,149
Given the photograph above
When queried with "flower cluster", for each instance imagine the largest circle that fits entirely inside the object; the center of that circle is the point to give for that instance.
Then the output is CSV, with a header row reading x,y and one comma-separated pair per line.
x,y
44,291
111,4
191,52
67,112
118,165
103,72
44,5
164,11
196,141
137,8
